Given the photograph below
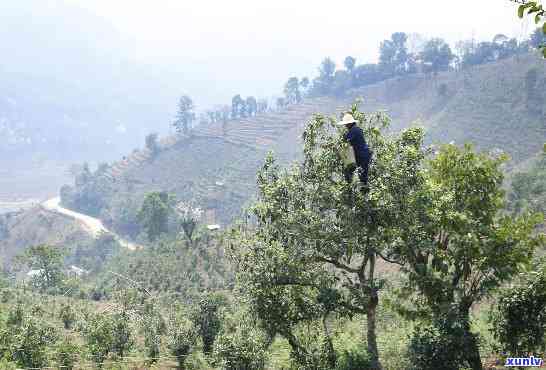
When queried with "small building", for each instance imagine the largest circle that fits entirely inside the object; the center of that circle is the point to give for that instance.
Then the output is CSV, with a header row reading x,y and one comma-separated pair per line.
x,y
76,271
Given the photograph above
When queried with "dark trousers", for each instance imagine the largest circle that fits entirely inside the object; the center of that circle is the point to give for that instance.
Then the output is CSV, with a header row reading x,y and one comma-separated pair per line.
x,y
361,168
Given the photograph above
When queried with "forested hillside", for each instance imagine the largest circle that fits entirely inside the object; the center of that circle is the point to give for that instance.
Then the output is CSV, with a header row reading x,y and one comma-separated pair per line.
x,y
246,241
496,106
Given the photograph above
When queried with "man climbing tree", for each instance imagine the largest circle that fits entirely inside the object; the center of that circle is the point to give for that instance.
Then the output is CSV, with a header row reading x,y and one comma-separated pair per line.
x,y
362,153
312,255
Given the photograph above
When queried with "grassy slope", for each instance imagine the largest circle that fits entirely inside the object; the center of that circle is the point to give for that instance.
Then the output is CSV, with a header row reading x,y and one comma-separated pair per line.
x,y
36,226
485,105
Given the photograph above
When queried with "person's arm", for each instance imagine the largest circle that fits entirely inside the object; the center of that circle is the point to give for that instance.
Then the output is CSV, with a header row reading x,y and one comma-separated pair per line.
x,y
350,137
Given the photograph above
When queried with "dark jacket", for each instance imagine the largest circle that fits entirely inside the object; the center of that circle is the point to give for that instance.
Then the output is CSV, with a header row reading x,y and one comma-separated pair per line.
x,y
355,137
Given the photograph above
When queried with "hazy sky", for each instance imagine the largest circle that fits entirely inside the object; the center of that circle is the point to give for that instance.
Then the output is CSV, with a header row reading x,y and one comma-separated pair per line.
x,y
253,46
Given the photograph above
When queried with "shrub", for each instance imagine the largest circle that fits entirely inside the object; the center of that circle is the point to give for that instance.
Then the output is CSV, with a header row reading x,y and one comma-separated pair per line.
x,y
30,342
355,359
107,334
244,349
67,355
207,319
16,315
182,337
67,315
440,345
519,321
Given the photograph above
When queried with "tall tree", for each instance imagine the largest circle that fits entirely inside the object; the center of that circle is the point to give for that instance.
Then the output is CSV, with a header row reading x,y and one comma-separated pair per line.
x,y
292,90
313,252
393,54
436,55
342,83
323,83
48,262
251,105
236,106
154,214
185,115
206,318
458,246
349,63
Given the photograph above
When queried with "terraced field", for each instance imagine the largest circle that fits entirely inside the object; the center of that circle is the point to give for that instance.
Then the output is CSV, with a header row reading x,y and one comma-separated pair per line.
x,y
486,105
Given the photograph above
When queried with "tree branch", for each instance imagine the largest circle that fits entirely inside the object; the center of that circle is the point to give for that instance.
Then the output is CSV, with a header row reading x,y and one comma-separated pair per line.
x,y
338,265
389,260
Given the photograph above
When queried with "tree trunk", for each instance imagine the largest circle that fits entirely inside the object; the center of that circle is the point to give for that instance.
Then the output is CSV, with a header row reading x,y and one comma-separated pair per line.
x,y
472,354
371,310
371,336
330,352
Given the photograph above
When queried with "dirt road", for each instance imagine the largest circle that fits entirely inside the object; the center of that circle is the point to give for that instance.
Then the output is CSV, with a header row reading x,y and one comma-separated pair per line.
x,y
92,225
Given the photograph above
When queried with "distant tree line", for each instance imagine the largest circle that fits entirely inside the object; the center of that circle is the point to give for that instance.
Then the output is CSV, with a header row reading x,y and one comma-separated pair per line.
x,y
240,108
402,54
395,59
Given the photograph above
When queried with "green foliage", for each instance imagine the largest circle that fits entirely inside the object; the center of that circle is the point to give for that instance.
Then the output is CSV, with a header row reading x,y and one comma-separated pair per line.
x,y
90,192
67,355
26,344
16,315
154,214
48,262
355,359
242,348
393,55
207,318
67,315
292,91
154,327
322,85
7,365
172,267
313,251
528,193
519,320
99,337
458,248
182,338
93,254
437,55
185,115
535,9
441,345
108,333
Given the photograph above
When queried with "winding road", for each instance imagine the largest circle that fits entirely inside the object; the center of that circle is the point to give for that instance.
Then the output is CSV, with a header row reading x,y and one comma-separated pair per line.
x,y
92,225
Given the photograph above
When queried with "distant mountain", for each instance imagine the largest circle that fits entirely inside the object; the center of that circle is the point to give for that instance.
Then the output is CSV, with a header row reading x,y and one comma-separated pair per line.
x,y
70,88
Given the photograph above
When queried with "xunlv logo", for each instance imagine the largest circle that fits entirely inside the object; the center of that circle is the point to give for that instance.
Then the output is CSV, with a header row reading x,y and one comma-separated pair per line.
x,y
523,361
